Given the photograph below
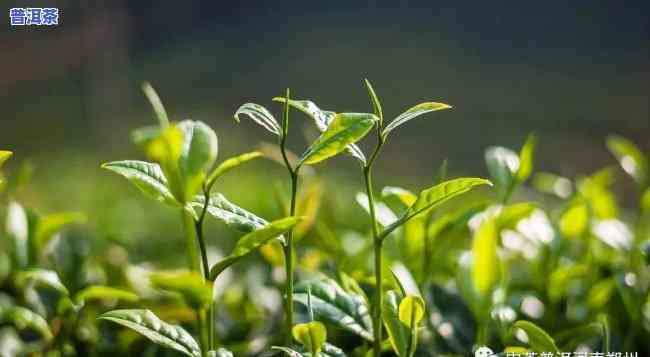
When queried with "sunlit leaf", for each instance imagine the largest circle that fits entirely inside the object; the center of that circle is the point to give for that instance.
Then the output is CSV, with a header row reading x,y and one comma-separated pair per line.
x,y
333,305
48,226
526,157
553,184
322,119
189,285
412,113
17,227
232,215
574,220
600,293
486,271
100,292
502,164
43,277
538,339
560,279
24,319
385,216
252,241
398,333
345,129
411,311
261,116
198,154
631,159
148,177
406,197
443,192
149,325
230,164
4,156
311,335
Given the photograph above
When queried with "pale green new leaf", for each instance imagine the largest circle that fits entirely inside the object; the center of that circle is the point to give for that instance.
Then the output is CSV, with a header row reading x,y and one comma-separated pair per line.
x,y
254,240
156,103
230,164
148,177
526,157
376,104
311,335
412,113
333,305
4,156
631,159
345,129
49,225
398,333
198,154
261,116
189,285
322,119
502,164
149,325
538,339
443,192
42,277
100,292
486,271
406,197
25,319
411,311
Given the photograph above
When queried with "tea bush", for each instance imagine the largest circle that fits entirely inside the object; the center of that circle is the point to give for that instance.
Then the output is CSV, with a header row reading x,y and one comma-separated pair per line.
x,y
443,271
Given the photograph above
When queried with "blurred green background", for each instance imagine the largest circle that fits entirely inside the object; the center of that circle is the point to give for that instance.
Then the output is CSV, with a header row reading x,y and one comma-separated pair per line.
x,y
69,95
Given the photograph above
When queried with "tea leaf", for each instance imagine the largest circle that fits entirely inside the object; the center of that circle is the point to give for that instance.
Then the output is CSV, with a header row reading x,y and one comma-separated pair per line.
x,y
502,164
148,177
156,103
574,220
4,156
232,215
48,226
25,319
435,196
376,104
150,326
331,304
485,261
322,119
631,159
411,311
526,156
412,113
43,277
261,116
252,241
220,352
345,129
198,154
100,292
311,335
18,230
230,164
406,197
398,333
189,285
538,339
288,351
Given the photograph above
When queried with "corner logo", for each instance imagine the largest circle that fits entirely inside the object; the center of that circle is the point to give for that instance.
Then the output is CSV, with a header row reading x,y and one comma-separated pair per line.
x,y
483,352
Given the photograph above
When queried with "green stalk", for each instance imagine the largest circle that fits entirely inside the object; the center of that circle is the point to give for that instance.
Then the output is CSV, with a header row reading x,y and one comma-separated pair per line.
x,y
198,224
192,237
288,247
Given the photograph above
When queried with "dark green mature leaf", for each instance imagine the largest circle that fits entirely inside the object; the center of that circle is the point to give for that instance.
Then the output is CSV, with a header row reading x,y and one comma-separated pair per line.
x,y
329,350
43,277
198,153
290,352
146,176
261,116
571,338
230,164
232,215
149,325
412,113
454,312
322,119
220,352
156,103
345,129
25,319
189,285
252,241
100,292
631,159
331,304
435,196
538,339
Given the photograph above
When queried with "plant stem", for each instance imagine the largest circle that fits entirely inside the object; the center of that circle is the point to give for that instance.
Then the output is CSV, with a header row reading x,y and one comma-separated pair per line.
x,y
377,318
190,241
288,247
198,224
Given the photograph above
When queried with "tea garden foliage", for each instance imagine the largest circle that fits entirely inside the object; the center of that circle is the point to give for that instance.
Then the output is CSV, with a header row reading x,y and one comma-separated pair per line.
x,y
436,271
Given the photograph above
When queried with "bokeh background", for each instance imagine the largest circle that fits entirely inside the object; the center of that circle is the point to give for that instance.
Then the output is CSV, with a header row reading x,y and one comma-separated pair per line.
x,y
572,72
